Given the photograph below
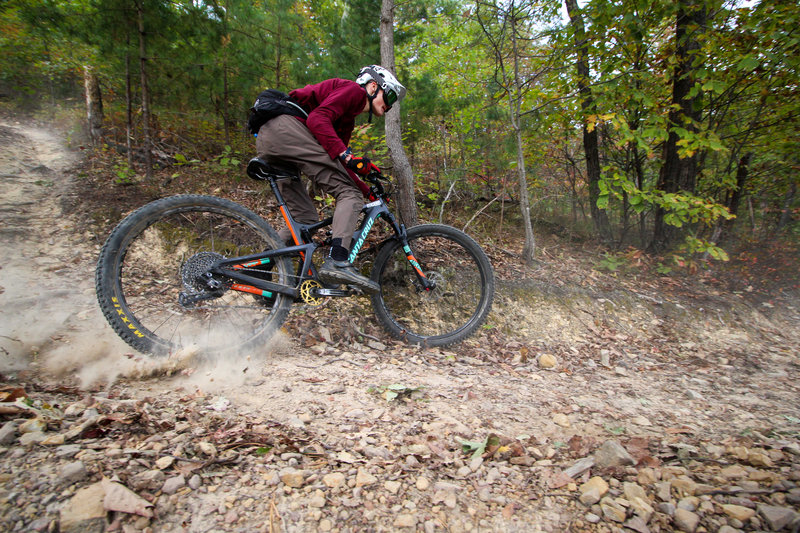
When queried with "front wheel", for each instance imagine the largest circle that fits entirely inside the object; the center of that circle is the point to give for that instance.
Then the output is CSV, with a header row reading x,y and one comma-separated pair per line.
x,y
158,255
461,297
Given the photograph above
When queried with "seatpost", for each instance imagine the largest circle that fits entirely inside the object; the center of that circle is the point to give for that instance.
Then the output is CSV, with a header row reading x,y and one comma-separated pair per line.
x,y
273,183
287,217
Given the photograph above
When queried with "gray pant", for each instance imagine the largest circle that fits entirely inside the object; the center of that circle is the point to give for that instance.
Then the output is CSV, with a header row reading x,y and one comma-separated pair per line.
x,y
285,138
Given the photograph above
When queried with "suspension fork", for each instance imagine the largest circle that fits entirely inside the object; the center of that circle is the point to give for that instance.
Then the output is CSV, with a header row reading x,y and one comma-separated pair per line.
x,y
402,235
427,283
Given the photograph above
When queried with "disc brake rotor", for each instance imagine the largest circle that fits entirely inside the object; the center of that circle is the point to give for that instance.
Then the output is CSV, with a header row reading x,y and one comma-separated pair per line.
x,y
441,285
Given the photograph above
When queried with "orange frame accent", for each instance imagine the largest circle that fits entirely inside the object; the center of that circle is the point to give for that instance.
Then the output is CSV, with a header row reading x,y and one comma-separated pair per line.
x,y
247,288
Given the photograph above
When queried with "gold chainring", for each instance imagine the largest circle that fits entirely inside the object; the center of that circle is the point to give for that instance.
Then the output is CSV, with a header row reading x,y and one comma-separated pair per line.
x,y
307,292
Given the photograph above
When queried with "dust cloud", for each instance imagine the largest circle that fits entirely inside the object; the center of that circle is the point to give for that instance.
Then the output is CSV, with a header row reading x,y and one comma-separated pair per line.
x,y
218,373
44,290
50,321
98,363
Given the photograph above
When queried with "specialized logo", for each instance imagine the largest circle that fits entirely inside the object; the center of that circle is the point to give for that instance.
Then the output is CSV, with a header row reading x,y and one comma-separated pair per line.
x,y
124,318
361,239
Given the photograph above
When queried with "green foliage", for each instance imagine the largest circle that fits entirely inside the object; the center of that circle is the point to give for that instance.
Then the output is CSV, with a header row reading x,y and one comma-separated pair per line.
x,y
610,262
124,174
371,143
614,430
229,158
681,208
326,199
663,269
36,64
207,60
394,391
478,448
181,160
693,245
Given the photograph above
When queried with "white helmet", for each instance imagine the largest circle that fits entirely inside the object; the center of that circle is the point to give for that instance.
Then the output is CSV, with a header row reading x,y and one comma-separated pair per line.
x,y
393,90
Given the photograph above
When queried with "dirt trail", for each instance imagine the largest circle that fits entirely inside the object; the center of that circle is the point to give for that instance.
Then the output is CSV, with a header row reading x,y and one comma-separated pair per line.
x,y
619,374
47,300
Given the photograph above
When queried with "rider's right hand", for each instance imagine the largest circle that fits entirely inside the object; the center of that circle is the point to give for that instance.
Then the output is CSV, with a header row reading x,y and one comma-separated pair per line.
x,y
361,165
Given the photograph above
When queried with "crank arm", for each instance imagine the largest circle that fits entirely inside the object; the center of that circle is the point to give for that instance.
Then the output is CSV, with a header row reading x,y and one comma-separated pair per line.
x,y
325,293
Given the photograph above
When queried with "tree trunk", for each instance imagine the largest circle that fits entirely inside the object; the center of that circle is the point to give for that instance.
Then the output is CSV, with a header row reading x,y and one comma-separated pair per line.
x,y
509,14
529,248
148,143
94,105
590,139
226,120
639,181
128,109
226,41
677,173
515,101
406,201
736,198
786,214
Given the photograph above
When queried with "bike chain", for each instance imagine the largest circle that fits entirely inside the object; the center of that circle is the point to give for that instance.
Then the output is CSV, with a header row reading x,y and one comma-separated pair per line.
x,y
206,259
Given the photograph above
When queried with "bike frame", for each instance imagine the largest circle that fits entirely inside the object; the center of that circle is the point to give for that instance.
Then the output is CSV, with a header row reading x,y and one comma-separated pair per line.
x,y
304,248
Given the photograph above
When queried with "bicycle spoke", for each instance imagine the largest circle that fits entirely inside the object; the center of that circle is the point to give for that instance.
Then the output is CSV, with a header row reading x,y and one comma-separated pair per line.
x,y
456,305
164,250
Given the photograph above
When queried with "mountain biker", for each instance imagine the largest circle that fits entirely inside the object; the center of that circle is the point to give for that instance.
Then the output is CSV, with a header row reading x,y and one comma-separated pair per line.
x,y
318,146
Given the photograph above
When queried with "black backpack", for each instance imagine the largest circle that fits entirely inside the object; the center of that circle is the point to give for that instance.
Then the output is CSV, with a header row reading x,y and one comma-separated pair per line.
x,y
269,105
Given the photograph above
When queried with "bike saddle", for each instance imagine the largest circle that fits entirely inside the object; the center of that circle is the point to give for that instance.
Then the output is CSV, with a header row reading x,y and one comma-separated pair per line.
x,y
260,170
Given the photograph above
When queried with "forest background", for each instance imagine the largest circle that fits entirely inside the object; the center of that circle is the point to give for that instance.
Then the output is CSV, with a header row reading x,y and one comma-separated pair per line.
x,y
659,126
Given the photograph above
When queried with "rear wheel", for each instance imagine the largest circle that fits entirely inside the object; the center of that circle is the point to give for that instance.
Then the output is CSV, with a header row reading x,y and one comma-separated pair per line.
x,y
156,259
457,305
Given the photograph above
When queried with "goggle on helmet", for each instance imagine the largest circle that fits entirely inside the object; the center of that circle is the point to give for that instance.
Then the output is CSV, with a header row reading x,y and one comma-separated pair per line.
x,y
393,90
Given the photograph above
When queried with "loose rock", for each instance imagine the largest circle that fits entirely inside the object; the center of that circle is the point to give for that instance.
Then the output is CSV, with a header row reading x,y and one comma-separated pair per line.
x,y
686,520
612,454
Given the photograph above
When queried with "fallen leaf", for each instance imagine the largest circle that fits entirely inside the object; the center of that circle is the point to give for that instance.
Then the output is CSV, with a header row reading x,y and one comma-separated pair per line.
x,y
121,498
581,446
681,429
558,479
10,394
638,447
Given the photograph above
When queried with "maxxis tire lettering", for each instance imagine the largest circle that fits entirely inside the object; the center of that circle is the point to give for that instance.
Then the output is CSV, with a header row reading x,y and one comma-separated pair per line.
x,y
107,274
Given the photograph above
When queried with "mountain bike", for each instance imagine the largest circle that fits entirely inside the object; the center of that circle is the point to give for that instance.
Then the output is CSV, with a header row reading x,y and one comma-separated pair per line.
x,y
203,271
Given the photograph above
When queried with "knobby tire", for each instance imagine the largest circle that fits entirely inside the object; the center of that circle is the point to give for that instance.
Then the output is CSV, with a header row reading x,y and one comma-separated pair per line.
x,y
155,253
455,308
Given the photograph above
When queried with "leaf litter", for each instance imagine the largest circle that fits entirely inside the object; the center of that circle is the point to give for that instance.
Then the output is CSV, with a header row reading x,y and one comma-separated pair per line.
x,y
695,390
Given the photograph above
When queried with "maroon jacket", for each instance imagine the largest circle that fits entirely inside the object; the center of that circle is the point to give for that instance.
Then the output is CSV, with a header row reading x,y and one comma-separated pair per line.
x,y
332,107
